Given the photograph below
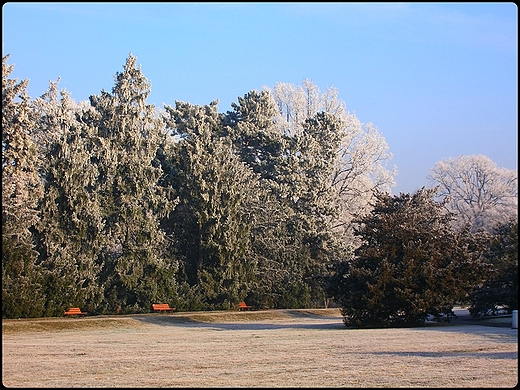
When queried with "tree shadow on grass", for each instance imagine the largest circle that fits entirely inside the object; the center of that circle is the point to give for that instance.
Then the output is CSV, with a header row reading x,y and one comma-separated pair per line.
x,y
452,354
188,322
317,322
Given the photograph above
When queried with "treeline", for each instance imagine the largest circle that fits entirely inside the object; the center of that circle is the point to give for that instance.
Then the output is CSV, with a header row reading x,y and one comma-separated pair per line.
x,y
113,205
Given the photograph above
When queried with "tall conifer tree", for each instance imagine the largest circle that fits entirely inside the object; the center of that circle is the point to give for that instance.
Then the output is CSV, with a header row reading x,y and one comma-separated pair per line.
x,y
21,191
69,232
136,270
292,236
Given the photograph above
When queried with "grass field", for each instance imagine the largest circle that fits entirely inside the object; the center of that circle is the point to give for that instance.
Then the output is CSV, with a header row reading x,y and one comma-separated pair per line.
x,y
275,348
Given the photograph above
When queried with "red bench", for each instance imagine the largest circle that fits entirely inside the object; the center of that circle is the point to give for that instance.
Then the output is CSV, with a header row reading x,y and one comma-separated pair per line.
x,y
162,307
242,306
74,311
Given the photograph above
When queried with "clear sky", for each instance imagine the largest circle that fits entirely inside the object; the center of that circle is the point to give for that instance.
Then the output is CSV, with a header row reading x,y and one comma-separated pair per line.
x,y
437,79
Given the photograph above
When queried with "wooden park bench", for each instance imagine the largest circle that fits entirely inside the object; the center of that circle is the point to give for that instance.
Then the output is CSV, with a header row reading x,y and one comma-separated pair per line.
x,y
74,311
162,307
242,306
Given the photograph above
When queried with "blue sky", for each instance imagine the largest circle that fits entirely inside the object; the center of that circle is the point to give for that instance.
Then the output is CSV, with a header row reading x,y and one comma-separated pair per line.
x,y
437,79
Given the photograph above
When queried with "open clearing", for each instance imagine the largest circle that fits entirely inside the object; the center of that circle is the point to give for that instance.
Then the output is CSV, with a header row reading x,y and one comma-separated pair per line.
x,y
273,348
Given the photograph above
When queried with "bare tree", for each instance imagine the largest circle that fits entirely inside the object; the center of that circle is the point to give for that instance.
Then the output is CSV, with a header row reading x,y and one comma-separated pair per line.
x,y
479,193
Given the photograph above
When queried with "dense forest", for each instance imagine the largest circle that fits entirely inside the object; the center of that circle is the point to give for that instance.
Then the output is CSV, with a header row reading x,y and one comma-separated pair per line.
x,y
283,201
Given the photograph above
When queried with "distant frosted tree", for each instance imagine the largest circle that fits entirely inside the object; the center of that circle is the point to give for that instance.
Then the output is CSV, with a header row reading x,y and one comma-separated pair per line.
x,y
361,157
479,193
136,268
296,103
21,191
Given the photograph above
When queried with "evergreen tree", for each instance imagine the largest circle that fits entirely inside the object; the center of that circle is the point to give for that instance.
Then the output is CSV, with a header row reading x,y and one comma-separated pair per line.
x,y
291,233
212,222
411,264
260,144
136,270
500,287
255,135
22,295
313,199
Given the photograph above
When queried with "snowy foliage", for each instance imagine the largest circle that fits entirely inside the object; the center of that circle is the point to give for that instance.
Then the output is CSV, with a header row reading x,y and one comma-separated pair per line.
x,y
114,204
21,186
479,193
21,192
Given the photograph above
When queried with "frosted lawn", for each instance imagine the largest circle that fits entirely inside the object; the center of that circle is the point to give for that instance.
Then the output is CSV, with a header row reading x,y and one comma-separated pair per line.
x,y
282,348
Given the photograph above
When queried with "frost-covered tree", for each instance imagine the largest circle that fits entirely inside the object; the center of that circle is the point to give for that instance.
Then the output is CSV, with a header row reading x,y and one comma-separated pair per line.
x,y
21,185
296,103
313,198
479,193
136,270
69,232
360,167
212,224
21,191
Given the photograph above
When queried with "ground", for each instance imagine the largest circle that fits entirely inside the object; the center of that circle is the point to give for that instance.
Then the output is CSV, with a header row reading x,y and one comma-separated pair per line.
x,y
275,348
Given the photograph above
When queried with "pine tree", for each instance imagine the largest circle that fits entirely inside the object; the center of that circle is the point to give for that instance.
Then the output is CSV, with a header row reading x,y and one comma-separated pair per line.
x,y
260,144
292,230
256,137
212,222
312,198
